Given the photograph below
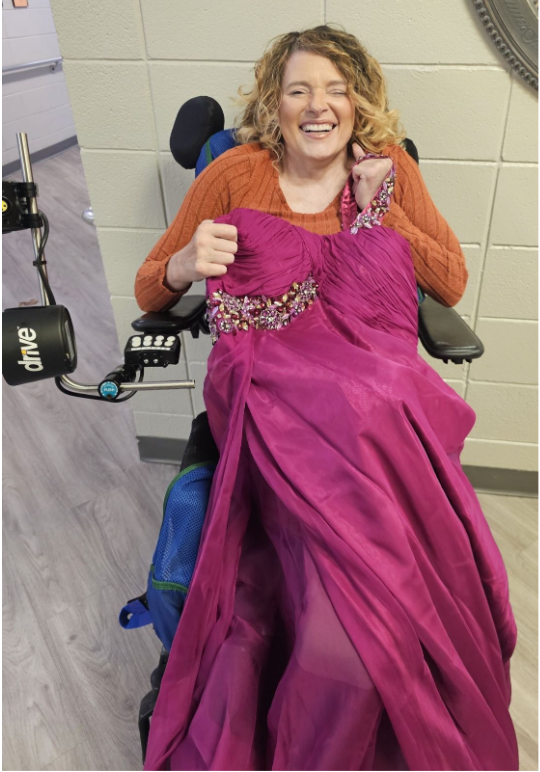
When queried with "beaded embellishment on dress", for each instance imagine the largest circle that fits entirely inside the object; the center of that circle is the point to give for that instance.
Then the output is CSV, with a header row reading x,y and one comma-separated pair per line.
x,y
380,204
228,313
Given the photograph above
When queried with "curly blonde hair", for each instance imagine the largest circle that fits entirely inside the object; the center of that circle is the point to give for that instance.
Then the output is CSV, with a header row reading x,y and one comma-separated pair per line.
x,y
374,125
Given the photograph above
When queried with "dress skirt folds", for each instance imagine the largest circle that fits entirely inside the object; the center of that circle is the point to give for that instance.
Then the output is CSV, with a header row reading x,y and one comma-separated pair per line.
x,y
349,608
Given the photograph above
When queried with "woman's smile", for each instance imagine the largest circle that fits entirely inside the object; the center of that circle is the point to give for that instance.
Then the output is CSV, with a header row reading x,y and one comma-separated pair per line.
x,y
318,130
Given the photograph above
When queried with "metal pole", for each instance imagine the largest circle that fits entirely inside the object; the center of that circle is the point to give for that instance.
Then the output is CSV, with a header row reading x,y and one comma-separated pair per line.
x,y
148,386
26,168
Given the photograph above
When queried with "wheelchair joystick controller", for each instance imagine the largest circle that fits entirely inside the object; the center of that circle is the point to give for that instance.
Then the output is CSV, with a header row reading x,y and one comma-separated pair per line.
x,y
141,351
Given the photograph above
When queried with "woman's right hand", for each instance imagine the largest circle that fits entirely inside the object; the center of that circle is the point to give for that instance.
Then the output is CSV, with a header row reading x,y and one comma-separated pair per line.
x,y
209,252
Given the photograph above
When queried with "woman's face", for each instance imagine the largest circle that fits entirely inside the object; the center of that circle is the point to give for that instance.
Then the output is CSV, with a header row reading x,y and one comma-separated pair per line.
x,y
316,115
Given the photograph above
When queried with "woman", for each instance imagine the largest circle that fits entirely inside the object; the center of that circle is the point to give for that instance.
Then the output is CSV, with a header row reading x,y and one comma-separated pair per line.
x,y
305,188
349,607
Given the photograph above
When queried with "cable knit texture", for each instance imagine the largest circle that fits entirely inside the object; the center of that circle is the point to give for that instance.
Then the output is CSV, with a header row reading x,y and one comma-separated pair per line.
x,y
244,177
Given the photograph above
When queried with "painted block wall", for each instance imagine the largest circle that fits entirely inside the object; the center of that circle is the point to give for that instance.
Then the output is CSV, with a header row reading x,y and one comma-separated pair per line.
x,y
130,66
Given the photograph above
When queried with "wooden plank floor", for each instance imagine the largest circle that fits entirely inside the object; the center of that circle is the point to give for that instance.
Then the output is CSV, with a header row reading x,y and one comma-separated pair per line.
x,y
81,517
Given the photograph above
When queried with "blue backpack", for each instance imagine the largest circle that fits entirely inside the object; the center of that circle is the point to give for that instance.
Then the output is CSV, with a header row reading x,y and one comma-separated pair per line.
x,y
184,509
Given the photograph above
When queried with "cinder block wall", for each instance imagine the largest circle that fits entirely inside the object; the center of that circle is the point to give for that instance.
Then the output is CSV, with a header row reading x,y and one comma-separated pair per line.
x,y
129,67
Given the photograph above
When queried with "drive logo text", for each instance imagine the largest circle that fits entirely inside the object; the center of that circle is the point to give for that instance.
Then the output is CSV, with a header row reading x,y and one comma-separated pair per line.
x,y
31,359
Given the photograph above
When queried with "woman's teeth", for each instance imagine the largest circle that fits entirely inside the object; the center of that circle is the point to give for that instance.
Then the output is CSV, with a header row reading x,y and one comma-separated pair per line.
x,y
317,127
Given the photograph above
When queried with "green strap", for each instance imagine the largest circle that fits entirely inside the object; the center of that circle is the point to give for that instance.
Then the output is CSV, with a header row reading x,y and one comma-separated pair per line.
x,y
208,152
167,585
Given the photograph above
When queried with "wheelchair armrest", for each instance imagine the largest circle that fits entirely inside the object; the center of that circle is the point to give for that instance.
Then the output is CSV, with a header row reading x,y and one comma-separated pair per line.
x,y
445,335
188,314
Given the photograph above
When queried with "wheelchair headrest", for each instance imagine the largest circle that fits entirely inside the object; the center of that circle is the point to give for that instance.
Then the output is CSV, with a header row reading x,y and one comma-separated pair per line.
x,y
197,120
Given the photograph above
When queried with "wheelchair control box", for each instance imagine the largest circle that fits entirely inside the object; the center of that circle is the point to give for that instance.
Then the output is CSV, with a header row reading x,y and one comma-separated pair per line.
x,y
153,350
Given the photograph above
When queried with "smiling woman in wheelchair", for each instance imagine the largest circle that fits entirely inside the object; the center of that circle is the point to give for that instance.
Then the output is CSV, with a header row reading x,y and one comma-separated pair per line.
x,y
349,607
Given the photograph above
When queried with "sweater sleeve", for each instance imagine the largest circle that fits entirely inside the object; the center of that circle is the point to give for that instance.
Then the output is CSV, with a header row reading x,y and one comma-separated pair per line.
x,y
438,260
207,198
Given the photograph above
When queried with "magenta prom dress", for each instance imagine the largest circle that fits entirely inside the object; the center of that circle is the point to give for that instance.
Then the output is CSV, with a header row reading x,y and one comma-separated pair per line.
x,y
349,608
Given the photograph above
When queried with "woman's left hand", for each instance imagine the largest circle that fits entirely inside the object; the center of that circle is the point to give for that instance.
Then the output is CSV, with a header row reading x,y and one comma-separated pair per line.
x,y
368,176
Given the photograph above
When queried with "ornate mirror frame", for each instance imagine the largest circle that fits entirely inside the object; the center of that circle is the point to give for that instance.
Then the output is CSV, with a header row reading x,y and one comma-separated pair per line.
x,y
513,27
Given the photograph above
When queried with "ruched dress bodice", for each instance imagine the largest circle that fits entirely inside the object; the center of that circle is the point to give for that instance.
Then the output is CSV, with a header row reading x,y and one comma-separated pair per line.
x,y
368,276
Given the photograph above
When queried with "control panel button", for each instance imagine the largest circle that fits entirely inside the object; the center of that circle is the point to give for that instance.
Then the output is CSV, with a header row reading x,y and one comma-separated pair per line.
x,y
135,342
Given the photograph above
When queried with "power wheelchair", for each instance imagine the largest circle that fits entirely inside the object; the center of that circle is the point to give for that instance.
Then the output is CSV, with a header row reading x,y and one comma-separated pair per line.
x,y
47,346
198,136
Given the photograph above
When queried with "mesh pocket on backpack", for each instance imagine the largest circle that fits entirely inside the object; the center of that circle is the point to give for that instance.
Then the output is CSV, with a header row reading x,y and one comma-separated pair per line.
x,y
183,517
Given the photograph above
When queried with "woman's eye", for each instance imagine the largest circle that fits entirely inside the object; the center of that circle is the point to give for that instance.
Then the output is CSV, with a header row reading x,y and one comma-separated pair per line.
x,y
304,93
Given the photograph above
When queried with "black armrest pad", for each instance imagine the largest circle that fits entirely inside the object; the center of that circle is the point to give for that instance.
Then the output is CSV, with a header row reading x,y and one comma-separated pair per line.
x,y
445,335
188,314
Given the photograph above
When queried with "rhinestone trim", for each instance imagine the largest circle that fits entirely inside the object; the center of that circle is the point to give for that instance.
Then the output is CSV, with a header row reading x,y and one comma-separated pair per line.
x,y
380,204
228,314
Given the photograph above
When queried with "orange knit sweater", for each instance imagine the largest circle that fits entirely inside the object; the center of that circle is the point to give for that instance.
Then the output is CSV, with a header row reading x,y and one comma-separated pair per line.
x,y
244,177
